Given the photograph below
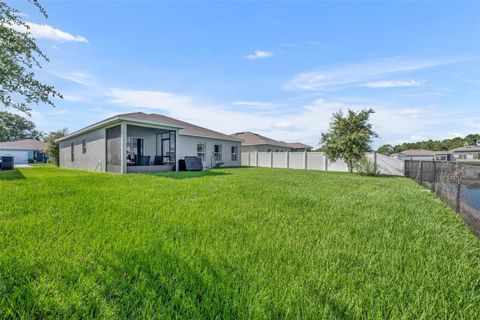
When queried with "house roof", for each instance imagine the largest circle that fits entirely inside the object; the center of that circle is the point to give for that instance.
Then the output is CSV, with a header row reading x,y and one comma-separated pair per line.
x,y
417,152
299,145
27,144
253,139
466,149
184,128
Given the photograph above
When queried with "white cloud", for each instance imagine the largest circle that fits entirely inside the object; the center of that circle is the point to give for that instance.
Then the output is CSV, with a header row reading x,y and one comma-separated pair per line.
x,y
78,76
284,125
68,97
259,54
45,31
412,112
392,84
255,105
308,121
356,74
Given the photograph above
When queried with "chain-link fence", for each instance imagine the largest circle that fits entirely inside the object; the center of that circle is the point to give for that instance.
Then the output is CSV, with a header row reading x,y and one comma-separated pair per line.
x,y
457,183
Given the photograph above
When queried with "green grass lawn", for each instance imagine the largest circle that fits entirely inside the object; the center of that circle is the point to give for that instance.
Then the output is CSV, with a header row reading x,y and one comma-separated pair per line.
x,y
231,243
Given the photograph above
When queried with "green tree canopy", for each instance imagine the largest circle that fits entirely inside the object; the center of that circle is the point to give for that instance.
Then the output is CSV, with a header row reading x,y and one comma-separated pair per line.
x,y
349,136
14,127
432,145
19,56
52,148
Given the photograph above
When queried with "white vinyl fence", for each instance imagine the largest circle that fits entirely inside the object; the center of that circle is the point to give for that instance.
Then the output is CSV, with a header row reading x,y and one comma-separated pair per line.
x,y
316,161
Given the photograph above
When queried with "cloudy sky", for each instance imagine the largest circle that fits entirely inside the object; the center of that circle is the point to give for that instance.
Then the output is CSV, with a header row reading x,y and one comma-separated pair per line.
x,y
279,69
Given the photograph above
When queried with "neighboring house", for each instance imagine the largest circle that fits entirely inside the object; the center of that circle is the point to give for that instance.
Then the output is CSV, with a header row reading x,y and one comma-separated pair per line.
x,y
140,142
299,147
255,142
415,154
443,156
24,151
466,153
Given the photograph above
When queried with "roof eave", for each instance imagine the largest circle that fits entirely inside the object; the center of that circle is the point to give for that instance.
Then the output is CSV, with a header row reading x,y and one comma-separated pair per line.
x,y
114,120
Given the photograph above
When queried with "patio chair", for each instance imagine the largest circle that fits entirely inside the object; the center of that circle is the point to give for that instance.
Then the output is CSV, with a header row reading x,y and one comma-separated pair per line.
x,y
157,161
143,160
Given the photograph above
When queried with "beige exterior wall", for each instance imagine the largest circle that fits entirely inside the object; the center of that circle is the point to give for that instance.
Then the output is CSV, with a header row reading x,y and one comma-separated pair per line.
x,y
187,146
93,159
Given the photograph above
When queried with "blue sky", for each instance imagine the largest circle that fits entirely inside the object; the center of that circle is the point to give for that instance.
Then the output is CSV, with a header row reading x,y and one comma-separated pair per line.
x,y
276,68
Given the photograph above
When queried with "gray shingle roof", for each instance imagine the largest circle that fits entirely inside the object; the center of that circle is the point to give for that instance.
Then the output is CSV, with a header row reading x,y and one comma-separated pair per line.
x,y
252,139
417,152
27,144
466,149
188,128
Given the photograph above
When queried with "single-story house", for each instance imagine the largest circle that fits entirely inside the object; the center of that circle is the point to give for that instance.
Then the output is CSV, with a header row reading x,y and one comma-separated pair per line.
x,y
140,142
299,147
466,153
256,142
415,154
24,151
443,156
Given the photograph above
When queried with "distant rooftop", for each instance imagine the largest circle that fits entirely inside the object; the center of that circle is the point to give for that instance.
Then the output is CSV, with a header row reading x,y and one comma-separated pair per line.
x,y
27,144
417,152
253,139
466,149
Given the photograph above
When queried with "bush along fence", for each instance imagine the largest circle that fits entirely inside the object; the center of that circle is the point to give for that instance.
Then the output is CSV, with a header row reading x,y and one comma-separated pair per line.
x,y
316,161
457,183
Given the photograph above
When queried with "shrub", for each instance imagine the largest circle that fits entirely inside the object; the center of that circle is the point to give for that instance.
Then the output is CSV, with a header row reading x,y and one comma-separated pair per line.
x,y
31,161
366,168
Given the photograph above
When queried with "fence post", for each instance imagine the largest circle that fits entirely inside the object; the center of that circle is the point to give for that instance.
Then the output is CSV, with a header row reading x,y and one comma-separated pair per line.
x,y
421,171
256,158
434,175
326,162
457,197
249,163
271,159
375,161
305,160
287,160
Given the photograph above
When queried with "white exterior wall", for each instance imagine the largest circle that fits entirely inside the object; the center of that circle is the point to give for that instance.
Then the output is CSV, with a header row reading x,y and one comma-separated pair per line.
x,y
93,159
187,146
19,156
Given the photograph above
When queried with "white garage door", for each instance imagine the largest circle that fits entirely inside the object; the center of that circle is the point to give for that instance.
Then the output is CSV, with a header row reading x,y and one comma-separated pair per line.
x,y
21,157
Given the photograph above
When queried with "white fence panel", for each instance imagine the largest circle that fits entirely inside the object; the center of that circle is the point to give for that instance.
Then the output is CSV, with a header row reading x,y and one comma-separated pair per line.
x,y
338,165
244,159
280,159
296,160
388,165
264,159
315,161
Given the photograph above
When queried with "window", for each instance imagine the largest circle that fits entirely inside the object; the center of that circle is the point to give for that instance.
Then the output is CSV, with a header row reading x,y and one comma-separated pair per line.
x,y
217,152
201,151
72,152
84,146
234,153
134,148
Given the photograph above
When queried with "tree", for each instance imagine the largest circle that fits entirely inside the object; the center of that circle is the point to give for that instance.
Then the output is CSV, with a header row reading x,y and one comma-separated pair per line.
x,y
349,136
52,148
386,149
14,127
19,55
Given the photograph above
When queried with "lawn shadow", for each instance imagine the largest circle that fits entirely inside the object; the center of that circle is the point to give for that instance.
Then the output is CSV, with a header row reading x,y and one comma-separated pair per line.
x,y
11,175
181,175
